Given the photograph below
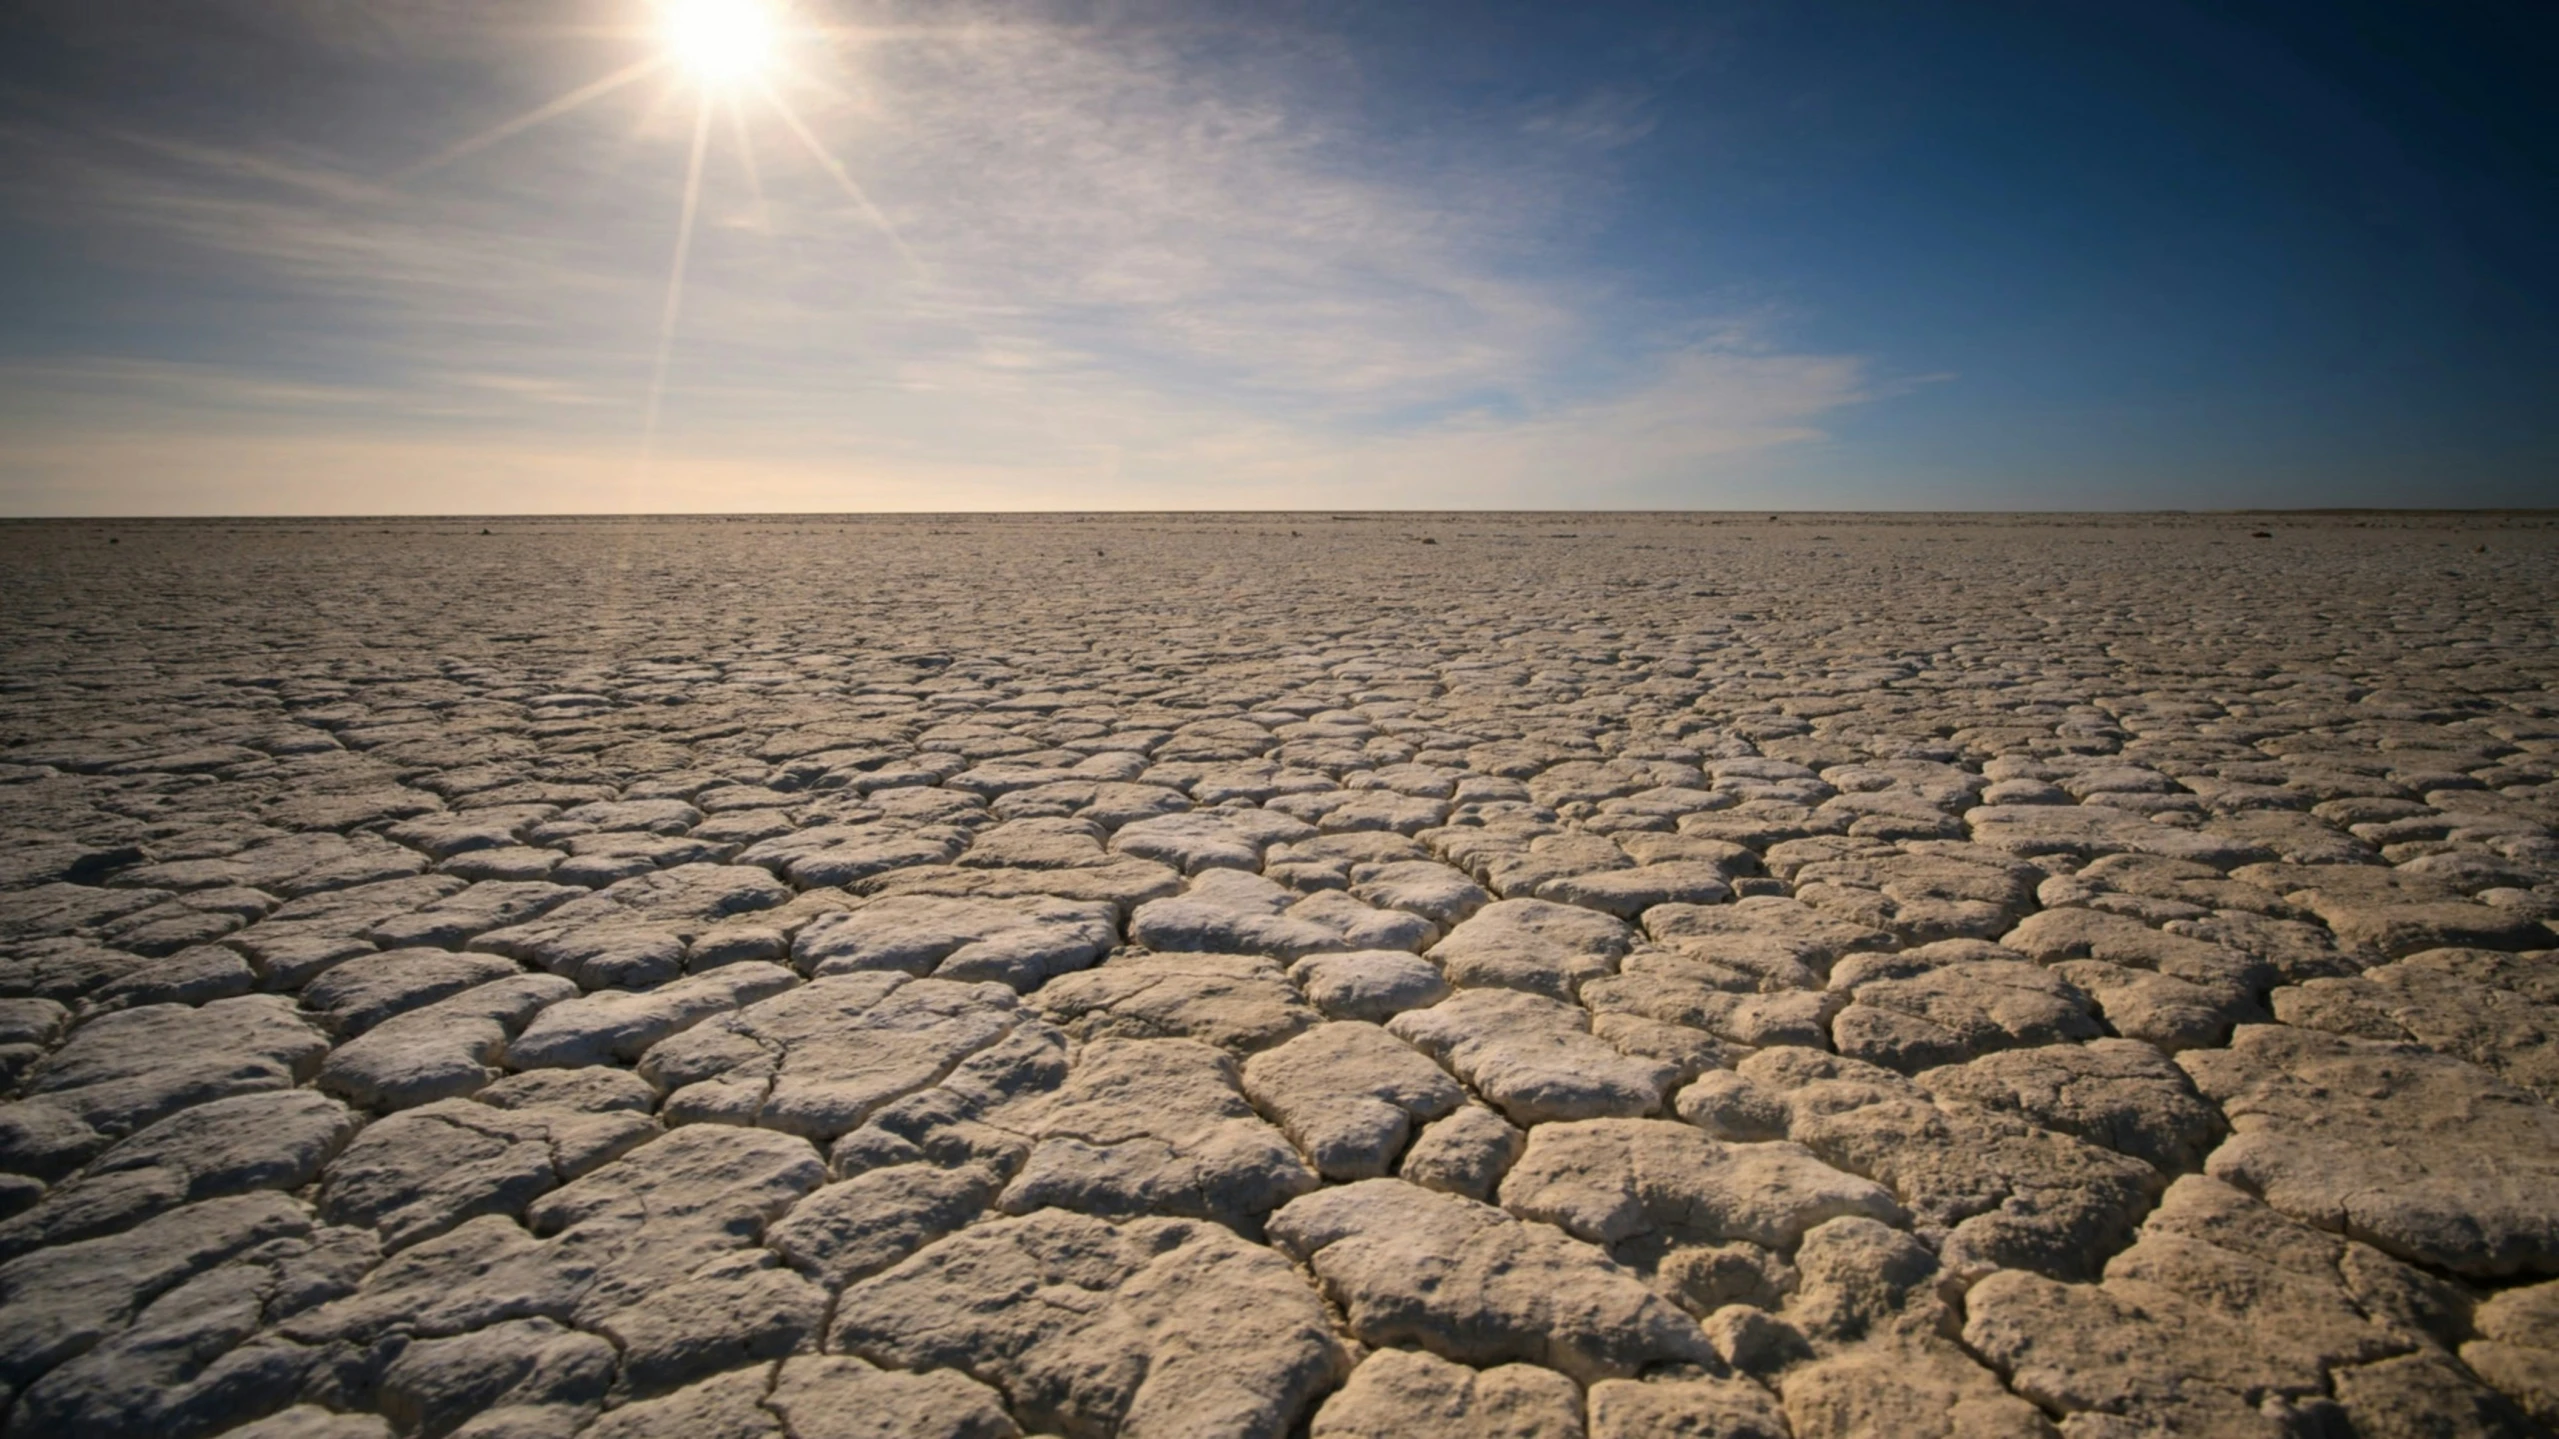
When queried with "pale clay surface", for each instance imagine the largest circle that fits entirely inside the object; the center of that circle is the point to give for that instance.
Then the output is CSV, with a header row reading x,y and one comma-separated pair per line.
x,y
1583,977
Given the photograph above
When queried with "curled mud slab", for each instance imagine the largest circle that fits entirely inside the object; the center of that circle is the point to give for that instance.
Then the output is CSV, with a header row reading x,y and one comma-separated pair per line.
x,y
1268,976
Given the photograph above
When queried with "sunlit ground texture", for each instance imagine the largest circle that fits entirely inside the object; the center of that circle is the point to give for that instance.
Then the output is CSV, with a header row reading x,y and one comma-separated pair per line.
x,y
1380,976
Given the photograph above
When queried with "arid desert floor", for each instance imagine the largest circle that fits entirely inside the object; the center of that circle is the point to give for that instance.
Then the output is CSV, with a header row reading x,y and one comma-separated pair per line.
x,y
1366,977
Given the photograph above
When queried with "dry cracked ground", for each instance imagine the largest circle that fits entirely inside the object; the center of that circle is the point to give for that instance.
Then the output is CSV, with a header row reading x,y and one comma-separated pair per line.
x,y
1359,977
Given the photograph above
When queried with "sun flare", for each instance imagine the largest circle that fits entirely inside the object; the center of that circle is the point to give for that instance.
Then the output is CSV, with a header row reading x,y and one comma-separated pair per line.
x,y
736,58
720,42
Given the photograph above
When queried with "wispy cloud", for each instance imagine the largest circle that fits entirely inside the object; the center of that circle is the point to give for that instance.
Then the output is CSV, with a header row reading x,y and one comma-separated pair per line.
x,y
1131,265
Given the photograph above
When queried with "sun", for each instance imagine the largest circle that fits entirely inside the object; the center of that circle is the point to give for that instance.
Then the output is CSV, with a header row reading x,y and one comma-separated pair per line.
x,y
720,43
736,56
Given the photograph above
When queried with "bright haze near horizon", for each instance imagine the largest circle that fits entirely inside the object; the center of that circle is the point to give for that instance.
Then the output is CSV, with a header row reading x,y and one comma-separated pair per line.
x,y
592,256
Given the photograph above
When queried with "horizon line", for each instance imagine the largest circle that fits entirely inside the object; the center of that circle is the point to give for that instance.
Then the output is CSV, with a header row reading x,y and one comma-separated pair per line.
x,y
1326,515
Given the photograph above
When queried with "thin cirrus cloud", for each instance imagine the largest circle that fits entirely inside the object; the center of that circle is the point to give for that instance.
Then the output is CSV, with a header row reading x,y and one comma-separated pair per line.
x,y
1104,266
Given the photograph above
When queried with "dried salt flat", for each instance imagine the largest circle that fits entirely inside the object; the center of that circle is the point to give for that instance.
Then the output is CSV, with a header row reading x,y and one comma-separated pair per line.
x,y
1958,976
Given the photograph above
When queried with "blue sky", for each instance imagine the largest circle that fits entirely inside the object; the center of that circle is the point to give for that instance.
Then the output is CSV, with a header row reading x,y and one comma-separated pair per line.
x,y
1157,255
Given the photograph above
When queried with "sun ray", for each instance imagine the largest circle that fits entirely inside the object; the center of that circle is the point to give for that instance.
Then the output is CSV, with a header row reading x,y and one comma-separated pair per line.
x,y
675,283
843,178
530,118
